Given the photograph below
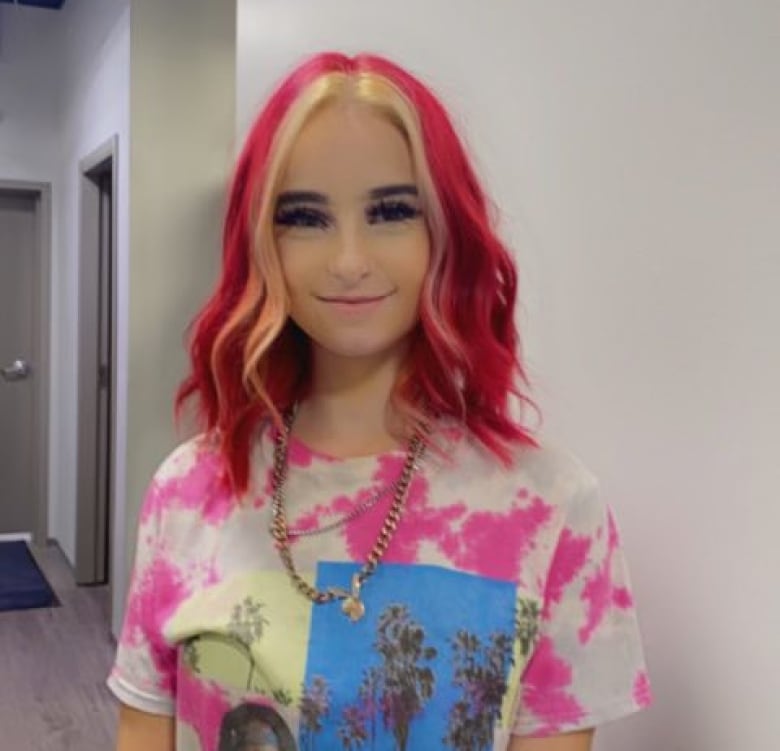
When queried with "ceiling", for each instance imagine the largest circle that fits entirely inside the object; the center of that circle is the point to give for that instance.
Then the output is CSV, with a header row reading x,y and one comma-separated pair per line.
x,y
53,4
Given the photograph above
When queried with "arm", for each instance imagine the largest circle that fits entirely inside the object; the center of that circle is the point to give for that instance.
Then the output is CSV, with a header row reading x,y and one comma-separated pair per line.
x,y
579,741
586,667
141,731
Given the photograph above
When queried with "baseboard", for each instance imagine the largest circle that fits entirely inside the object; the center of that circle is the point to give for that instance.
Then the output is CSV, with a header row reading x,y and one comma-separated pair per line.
x,y
16,537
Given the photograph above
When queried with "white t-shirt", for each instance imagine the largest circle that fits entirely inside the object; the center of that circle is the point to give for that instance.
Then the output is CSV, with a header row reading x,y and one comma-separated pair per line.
x,y
501,607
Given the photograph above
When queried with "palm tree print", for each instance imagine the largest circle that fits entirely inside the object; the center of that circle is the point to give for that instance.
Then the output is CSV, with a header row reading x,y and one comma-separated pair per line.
x,y
282,696
352,729
369,693
481,673
526,624
406,684
315,704
247,621
191,656
246,626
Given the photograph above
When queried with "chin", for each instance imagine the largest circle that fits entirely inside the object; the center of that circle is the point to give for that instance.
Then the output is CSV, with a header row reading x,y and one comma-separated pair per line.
x,y
363,347
360,350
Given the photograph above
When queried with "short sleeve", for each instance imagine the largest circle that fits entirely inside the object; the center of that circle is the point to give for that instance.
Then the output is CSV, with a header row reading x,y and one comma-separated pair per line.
x,y
587,666
144,671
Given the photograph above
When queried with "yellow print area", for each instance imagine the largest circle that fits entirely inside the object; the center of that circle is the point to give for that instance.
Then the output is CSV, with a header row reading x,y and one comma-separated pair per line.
x,y
527,616
249,633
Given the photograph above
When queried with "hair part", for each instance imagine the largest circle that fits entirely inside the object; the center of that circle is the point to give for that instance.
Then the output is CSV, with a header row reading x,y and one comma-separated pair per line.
x,y
250,361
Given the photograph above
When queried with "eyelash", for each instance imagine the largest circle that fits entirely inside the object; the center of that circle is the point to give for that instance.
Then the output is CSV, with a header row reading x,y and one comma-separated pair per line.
x,y
380,212
301,216
392,211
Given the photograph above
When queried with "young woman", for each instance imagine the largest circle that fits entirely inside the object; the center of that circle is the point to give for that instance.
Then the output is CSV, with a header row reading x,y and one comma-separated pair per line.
x,y
364,548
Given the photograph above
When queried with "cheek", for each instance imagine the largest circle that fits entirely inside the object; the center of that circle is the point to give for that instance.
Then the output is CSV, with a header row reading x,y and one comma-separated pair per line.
x,y
415,268
296,268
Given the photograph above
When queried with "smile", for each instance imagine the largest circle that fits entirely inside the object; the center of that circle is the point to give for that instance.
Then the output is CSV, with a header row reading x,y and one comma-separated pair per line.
x,y
362,300
354,305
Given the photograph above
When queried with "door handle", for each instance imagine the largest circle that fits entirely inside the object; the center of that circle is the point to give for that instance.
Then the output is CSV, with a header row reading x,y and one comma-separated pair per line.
x,y
17,371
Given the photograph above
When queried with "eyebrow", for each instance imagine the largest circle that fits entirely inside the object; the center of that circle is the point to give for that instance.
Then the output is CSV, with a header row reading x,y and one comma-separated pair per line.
x,y
311,196
393,190
300,196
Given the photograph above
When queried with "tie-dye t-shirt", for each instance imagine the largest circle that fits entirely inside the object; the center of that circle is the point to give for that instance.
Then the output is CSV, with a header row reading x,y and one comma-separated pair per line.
x,y
501,607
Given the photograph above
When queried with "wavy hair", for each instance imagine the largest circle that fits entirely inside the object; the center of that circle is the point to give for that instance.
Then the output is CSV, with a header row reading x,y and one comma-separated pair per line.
x,y
250,361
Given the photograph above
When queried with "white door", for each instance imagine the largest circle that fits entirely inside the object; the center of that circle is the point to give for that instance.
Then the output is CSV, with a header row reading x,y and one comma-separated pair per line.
x,y
18,245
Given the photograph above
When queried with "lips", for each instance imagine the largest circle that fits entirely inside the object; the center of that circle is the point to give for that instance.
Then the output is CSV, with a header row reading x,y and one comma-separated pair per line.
x,y
361,300
354,307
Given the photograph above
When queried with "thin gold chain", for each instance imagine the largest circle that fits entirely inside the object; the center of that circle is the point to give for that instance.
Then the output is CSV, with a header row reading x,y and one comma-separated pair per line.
x,y
359,510
280,531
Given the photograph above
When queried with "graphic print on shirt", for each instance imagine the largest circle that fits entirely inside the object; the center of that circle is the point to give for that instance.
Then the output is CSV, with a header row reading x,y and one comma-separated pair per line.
x,y
431,659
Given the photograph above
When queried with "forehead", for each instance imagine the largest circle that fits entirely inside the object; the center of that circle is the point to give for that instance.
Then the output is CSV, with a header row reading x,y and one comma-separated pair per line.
x,y
348,146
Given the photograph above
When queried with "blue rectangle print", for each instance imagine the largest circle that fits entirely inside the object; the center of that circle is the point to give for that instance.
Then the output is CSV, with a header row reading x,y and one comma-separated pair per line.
x,y
424,667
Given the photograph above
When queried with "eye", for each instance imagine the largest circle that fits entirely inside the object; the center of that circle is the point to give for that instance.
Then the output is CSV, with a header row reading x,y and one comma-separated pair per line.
x,y
391,211
301,216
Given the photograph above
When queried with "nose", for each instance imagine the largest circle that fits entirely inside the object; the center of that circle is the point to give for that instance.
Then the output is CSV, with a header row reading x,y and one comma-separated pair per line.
x,y
349,260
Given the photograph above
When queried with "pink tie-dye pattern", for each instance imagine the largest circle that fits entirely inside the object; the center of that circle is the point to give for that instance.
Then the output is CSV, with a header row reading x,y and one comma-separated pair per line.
x,y
419,523
598,593
475,542
155,594
387,471
203,573
340,505
199,488
299,455
642,693
154,502
202,705
481,545
361,537
621,598
543,688
570,556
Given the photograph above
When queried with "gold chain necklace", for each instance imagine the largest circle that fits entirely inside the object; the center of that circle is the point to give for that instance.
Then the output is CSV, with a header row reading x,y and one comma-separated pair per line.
x,y
353,606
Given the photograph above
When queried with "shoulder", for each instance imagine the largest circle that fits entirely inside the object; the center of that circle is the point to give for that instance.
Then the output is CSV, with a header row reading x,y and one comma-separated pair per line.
x,y
185,456
190,478
557,469
547,470
196,460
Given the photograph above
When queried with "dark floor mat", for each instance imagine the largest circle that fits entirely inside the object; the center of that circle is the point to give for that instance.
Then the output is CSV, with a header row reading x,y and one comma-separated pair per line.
x,y
22,585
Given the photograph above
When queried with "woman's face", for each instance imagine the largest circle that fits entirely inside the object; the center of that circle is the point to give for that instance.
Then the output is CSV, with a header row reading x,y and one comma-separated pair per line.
x,y
352,240
259,737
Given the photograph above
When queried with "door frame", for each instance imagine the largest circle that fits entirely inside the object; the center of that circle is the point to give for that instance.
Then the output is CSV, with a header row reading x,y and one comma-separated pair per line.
x,y
89,516
41,192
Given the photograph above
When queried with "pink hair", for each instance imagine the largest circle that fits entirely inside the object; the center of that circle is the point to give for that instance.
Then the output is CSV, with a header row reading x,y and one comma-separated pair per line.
x,y
463,362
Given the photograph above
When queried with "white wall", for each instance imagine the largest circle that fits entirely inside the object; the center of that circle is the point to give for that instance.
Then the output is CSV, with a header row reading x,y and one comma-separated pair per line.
x,y
29,84
634,149
94,106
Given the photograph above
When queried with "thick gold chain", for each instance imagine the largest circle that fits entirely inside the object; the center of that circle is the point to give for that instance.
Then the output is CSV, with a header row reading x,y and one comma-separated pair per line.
x,y
279,529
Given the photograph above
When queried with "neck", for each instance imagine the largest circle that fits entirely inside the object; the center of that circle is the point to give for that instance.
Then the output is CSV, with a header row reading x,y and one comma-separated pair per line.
x,y
347,412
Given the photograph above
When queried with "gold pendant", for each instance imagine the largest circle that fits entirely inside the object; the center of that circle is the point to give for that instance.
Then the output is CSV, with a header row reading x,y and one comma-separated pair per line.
x,y
353,607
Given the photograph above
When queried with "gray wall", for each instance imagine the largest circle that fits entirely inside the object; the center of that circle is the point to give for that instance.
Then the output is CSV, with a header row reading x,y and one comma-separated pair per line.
x,y
182,122
55,109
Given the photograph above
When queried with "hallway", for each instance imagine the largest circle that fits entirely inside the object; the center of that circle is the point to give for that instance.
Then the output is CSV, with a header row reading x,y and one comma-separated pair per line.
x,y
53,665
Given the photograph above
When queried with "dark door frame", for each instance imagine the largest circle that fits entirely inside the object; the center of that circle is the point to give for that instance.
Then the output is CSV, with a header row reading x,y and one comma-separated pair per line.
x,y
94,521
41,192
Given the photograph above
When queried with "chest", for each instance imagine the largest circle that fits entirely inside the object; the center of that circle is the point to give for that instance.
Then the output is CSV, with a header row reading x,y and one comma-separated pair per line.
x,y
435,661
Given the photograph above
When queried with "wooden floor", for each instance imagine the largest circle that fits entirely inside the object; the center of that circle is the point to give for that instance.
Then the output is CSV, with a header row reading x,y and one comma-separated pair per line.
x,y
53,666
